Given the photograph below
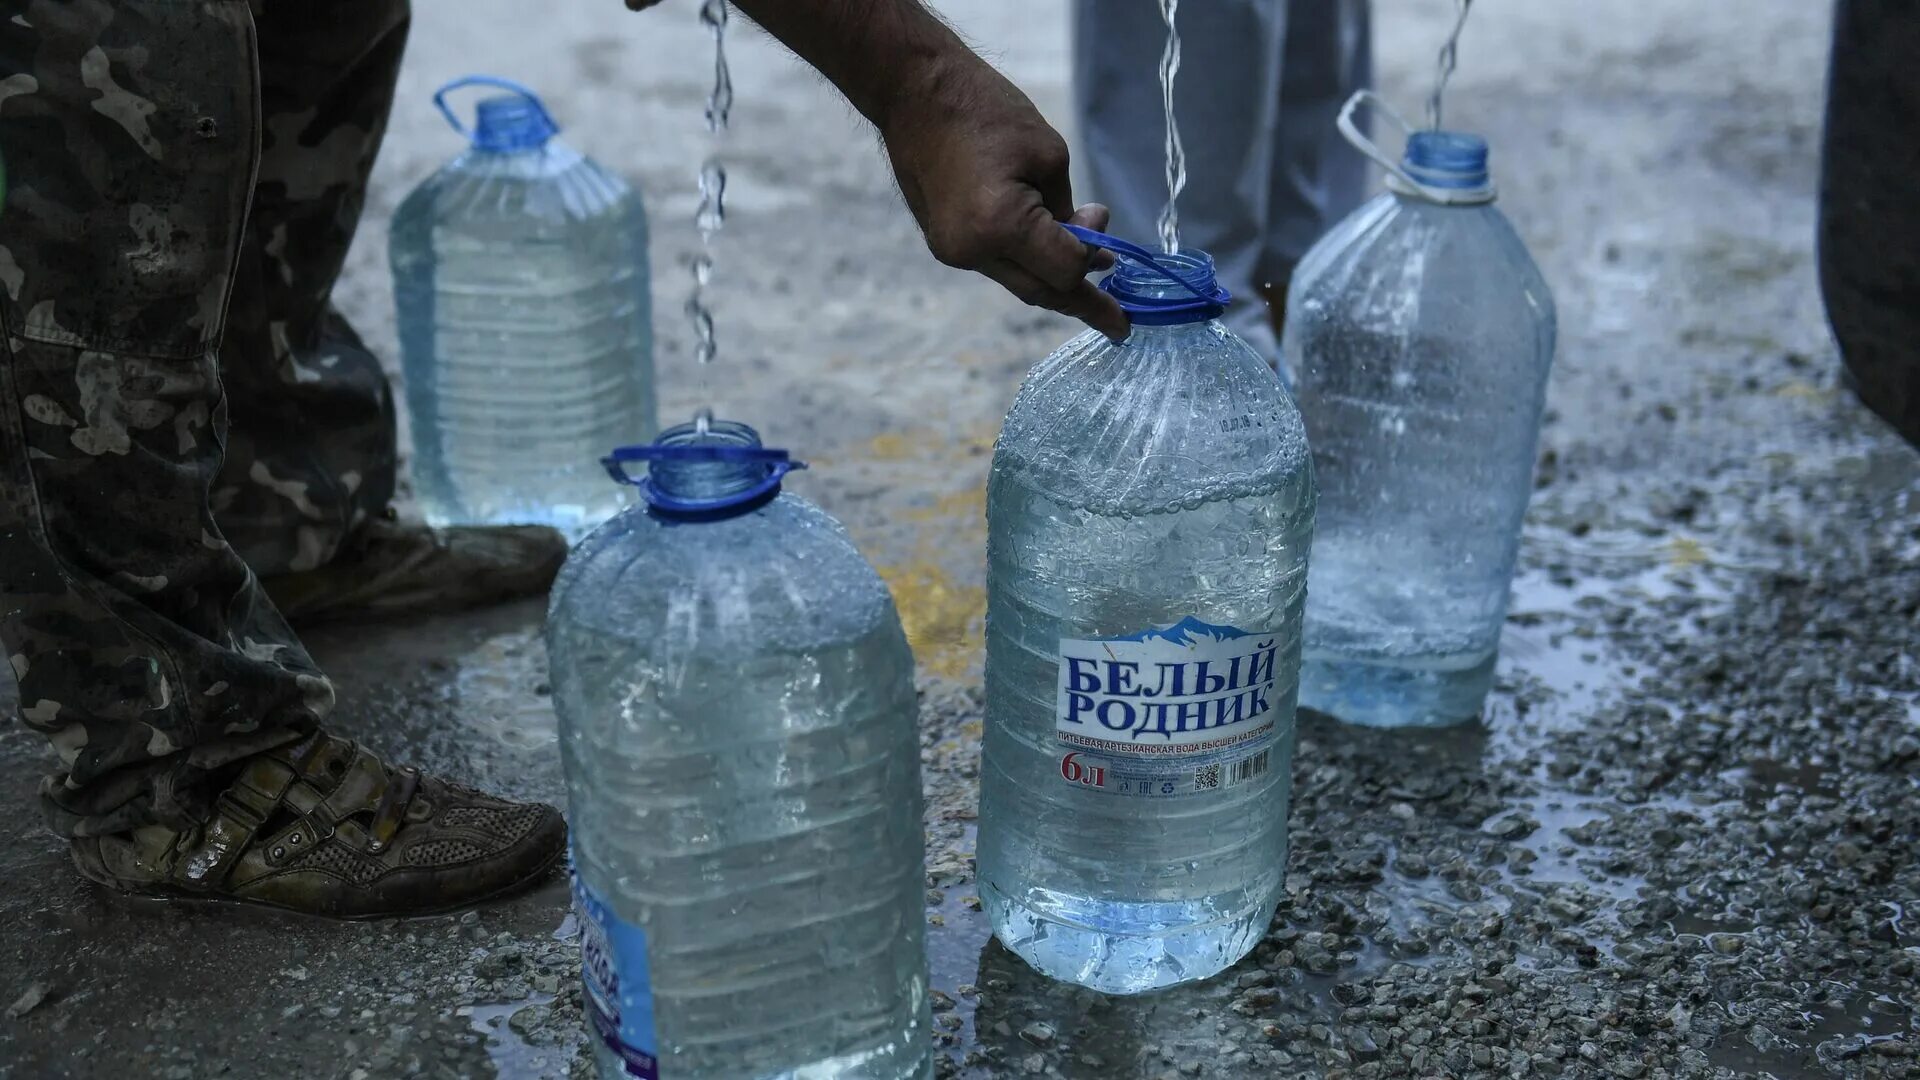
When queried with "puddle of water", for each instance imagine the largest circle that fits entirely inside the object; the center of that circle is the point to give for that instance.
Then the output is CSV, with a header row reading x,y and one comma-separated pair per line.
x,y
512,1055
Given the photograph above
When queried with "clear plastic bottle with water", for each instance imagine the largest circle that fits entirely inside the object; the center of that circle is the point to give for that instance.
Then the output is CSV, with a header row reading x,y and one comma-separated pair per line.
x,y
520,275
1149,517
1421,335
737,715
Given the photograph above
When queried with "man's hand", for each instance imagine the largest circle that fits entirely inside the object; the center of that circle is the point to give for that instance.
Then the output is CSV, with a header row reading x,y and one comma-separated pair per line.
x,y
982,171
986,177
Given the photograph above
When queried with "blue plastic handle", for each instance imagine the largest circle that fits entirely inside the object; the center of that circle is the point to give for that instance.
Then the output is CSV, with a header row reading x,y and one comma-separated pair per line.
x,y
778,462
1210,298
498,83
1095,238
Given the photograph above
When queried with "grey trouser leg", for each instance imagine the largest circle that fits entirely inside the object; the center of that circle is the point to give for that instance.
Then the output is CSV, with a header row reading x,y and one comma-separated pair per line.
x,y
1260,84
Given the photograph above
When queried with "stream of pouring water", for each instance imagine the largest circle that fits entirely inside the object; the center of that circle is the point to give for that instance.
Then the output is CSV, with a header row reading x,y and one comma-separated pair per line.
x,y
1449,54
712,214
1176,154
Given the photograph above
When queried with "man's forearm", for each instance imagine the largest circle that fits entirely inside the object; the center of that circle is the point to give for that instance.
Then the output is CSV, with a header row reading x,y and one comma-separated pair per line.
x,y
879,53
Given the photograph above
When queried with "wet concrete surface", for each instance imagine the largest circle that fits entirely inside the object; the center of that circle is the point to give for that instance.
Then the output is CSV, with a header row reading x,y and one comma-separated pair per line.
x,y
1682,843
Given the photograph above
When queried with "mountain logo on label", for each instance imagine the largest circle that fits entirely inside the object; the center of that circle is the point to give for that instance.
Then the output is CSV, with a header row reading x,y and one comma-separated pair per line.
x,y
1187,632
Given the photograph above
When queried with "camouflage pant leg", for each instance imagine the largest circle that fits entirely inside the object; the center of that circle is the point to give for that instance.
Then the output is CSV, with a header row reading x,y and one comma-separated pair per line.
x,y
312,451
141,642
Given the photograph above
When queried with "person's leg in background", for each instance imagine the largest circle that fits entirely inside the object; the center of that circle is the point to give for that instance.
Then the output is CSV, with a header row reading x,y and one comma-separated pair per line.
x,y
311,463
1227,101
184,711
312,450
1869,216
1317,177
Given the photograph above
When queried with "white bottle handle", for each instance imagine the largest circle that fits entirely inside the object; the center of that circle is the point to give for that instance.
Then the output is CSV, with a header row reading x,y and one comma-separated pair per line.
x,y
1398,179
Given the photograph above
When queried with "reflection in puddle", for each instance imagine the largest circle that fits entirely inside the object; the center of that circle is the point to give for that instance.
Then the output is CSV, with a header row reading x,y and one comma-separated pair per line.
x,y
511,1054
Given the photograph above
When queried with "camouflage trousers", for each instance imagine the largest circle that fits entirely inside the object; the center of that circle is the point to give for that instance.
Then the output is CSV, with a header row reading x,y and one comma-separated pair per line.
x,y
180,405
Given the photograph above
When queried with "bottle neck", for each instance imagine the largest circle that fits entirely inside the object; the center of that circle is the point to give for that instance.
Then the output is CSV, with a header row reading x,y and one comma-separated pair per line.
x,y
702,480
1154,301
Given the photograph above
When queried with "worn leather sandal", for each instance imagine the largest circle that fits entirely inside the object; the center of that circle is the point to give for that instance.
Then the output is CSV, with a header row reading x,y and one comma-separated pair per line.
x,y
324,827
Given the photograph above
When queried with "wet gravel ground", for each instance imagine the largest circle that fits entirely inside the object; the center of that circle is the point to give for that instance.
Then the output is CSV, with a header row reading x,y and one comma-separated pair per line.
x,y
1682,843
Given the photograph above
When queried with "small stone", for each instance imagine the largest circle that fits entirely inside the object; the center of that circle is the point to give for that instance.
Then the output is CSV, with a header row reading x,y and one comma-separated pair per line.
x,y
1034,1064
1846,853
1038,1034
1511,825
941,1001
28,1000
1726,944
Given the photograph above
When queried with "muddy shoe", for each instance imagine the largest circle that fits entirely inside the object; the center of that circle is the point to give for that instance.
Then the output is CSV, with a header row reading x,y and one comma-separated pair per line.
x,y
326,828
405,568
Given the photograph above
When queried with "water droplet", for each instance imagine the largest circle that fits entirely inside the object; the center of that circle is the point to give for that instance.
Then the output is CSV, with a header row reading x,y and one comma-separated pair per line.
x,y
712,213
713,15
702,422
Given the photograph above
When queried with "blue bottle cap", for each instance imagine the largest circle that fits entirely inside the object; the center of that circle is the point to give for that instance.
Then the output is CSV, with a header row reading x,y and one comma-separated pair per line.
x,y
1447,159
503,123
1138,283
709,474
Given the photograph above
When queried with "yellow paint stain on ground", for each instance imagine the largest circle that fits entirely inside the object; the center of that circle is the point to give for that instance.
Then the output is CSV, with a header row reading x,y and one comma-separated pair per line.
x,y
893,446
965,510
944,619
1684,552
1804,391
943,611
930,445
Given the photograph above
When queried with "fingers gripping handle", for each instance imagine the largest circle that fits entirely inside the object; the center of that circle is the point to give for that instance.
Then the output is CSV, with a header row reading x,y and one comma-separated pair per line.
x,y
1094,238
1147,307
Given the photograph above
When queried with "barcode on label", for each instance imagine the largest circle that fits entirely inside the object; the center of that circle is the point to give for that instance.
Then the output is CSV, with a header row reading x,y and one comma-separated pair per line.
x,y
1244,771
1228,774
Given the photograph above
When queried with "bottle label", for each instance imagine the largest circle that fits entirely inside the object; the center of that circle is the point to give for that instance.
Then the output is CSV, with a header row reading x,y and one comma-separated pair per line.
x,y
619,994
1185,710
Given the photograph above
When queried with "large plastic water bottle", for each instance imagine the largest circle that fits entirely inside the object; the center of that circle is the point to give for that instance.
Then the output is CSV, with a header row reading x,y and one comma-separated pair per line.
x,y
1421,334
520,274
737,716
1149,517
